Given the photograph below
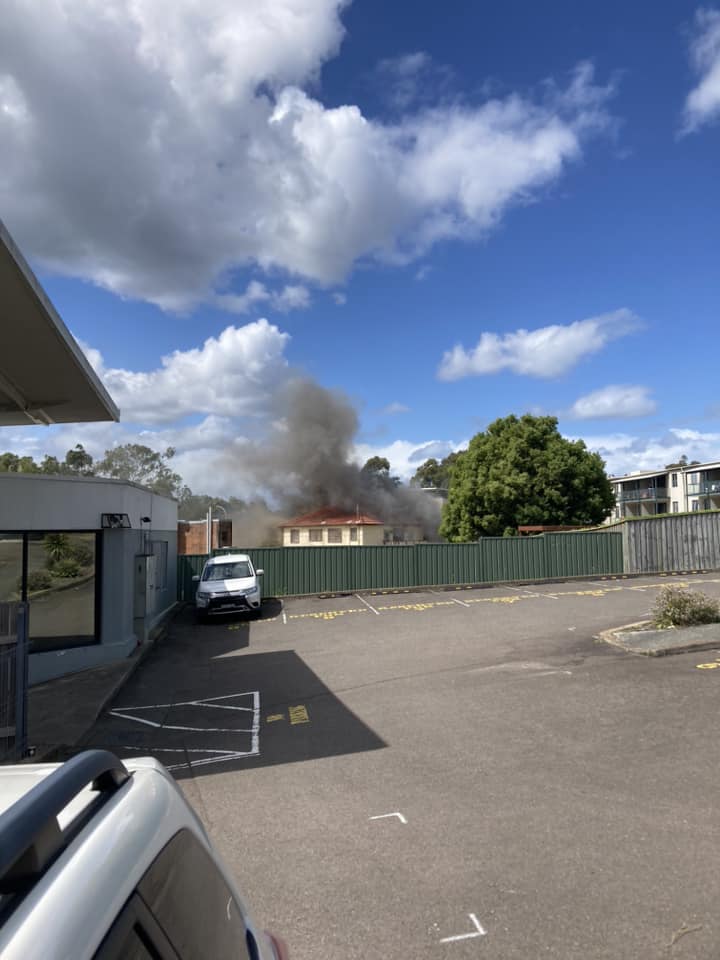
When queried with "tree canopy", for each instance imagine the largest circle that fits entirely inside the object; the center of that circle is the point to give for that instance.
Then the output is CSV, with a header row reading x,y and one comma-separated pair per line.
x,y
522,471
377,470
435,473
139,464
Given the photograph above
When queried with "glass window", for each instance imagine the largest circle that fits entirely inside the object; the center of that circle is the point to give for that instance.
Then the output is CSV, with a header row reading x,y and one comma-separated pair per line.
x,y
11,558
61,589
189,898
353,534
294,536
695,505
334,535
693,478
675,506
316,535
674,479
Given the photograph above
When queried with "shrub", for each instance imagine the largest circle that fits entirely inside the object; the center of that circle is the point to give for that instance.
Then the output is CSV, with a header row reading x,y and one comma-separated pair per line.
x,y
57,547
66,569
82,553
684,608
37,580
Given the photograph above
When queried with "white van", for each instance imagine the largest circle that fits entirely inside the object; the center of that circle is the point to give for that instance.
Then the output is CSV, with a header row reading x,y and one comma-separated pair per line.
x,y
228,583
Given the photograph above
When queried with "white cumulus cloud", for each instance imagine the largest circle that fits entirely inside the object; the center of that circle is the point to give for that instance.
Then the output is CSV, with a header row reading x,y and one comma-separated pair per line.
x,y
544,352
230,375
291,297
166,144
703,102
614,401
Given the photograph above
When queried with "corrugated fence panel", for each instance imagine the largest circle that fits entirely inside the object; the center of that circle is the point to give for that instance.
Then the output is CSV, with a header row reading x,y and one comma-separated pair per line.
x,y
593,553
293,571
438,564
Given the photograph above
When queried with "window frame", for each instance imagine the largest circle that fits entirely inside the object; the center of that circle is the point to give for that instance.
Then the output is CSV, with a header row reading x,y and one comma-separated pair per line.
x,y
64,642
334,535
354,535
312,535
294,535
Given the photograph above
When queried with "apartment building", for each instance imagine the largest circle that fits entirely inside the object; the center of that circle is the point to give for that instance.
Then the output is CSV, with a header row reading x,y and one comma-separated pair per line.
x,y
678,489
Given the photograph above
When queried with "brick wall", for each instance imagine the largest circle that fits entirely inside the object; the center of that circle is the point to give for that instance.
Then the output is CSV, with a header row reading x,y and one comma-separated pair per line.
x,y
192,535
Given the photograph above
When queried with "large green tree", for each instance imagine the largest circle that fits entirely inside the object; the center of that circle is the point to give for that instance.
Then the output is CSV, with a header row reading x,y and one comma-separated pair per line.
x,y
522,471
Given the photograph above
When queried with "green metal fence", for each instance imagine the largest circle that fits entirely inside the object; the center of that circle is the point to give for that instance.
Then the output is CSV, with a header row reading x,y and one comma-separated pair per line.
x,y
293,571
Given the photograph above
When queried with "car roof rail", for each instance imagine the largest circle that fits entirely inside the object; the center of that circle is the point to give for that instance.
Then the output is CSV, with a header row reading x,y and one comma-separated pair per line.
x,y
30,835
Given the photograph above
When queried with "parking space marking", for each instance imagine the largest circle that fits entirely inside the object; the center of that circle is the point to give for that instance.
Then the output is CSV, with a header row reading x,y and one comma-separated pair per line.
x,y
324,614
218,755
594,590
477,932
298,714
459,602
368,605
382,816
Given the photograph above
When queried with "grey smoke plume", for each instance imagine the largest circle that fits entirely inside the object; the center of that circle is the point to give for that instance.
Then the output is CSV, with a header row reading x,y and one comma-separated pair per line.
x,y
305,463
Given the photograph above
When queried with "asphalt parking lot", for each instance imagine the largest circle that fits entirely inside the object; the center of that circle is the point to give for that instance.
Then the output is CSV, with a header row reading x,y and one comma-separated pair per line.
x,y
448,774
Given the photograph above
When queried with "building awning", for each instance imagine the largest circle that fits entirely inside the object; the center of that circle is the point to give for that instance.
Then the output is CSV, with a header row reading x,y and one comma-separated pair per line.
x,y
44,375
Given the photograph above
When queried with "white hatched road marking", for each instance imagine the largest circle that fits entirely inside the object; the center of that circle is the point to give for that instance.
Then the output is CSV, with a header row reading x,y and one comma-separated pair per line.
x,y
125,713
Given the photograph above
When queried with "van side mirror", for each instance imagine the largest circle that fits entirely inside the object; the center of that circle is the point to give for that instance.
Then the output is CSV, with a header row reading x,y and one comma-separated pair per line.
x,y
196,578
259,573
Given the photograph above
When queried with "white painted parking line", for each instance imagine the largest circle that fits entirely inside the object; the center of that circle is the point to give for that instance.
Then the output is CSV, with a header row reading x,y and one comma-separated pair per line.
x,y
284,617
478,932
368,605
460,602
382,816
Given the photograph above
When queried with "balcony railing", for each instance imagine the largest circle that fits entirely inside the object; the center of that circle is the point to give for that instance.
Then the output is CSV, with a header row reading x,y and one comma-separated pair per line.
x,y
704,487
647,493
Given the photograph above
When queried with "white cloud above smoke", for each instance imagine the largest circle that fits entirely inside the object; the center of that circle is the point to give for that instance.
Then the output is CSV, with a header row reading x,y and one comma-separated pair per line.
x,y
544,352
165,145
230,375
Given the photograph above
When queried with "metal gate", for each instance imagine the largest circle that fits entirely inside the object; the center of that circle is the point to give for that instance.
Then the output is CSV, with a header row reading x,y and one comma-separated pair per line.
x,y
13,681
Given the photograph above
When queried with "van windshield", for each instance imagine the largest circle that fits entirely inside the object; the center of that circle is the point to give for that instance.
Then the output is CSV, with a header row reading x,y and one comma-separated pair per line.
x,y
228,571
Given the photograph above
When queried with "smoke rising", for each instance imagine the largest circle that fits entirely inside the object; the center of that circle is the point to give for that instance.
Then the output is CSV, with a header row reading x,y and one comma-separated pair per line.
x,y
306,463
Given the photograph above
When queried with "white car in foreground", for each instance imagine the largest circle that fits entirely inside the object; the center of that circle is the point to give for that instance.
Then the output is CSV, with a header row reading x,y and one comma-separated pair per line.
x,y
228,584
102,859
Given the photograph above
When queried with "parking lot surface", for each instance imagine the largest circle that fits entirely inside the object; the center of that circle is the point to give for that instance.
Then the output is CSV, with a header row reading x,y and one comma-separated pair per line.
x,y
448,774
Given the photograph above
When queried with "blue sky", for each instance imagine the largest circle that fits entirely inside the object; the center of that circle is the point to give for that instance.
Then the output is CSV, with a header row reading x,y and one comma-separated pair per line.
x,y
448,218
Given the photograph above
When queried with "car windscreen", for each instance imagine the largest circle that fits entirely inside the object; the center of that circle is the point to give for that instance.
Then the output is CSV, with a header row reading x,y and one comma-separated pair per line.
x,y
228,571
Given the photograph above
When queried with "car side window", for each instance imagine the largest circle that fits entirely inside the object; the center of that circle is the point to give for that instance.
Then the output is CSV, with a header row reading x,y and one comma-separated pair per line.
x,y
188,896
135,935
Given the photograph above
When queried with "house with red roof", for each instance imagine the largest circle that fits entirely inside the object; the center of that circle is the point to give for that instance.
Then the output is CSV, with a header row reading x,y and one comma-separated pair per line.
x,y
333,526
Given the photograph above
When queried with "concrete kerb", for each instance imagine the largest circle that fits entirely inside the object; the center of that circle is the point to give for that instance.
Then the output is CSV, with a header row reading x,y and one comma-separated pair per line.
x,y
66,746
633,639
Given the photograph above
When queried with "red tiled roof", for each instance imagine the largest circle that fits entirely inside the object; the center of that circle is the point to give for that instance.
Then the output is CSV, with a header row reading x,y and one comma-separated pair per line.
x,y
332,517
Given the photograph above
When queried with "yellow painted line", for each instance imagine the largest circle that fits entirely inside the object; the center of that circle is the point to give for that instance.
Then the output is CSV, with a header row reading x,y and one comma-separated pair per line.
x,y
298,714
274,716
324,614
707,666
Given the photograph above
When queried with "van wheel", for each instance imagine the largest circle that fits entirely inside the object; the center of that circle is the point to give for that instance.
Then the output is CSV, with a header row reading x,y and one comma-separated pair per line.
x,y
201,616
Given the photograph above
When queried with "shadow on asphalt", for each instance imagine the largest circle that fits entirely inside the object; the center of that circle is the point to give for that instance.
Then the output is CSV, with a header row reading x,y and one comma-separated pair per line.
x,y
203,705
